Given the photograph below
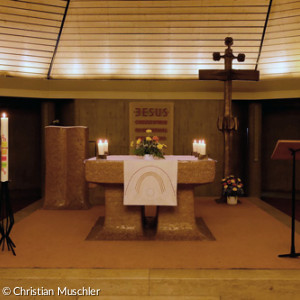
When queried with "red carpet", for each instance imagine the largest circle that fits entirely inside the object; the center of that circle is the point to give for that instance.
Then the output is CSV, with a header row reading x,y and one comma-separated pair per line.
x,y
246,237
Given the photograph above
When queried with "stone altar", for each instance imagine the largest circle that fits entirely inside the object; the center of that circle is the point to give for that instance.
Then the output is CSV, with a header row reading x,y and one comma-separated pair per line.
x,y
125,222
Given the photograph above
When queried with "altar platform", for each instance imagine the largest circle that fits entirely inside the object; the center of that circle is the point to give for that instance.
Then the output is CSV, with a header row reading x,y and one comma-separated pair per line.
x,y
241,263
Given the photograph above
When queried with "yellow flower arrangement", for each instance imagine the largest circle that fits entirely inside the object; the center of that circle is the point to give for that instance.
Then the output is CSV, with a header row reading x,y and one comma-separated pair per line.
x,y
232,186
148,145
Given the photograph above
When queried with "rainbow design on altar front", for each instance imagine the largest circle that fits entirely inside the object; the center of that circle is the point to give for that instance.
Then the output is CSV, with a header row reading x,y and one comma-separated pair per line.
x,y
150,183
144,176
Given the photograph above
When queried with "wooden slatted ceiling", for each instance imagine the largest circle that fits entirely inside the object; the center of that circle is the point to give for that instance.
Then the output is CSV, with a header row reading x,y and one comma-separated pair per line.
x,y
144,39
280,56
155,39
28,34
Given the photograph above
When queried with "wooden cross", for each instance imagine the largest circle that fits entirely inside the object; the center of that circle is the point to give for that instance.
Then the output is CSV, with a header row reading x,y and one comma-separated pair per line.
x,y
227,123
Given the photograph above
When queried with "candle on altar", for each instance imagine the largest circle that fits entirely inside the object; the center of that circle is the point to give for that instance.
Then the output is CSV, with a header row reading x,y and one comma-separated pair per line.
x,y
202,147
105,146
195,146
4,148
100,147
198,147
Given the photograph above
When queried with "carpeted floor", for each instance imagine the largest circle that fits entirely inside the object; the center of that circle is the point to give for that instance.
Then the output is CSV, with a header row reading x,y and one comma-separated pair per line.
x,y
246,237
20,199
284,205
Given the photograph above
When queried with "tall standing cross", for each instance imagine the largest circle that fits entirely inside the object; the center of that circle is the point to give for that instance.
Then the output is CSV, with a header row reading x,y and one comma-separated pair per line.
x,y
227,123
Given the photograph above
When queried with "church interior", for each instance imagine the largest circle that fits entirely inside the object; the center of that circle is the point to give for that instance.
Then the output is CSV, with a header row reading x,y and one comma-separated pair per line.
x,y
84,64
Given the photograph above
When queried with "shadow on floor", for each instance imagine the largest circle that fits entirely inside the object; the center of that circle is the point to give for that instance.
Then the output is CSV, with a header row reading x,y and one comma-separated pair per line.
x,y
20,199
284,205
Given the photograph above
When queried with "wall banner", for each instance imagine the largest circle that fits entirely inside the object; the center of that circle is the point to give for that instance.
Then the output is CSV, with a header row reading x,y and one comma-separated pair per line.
x,y
157,116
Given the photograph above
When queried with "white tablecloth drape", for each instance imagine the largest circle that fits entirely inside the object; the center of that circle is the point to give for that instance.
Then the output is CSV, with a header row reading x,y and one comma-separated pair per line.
x,y
139,158
150,182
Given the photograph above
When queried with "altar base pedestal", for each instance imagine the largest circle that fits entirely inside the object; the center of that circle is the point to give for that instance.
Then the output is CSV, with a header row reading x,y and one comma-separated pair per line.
x,y
179,222
121,222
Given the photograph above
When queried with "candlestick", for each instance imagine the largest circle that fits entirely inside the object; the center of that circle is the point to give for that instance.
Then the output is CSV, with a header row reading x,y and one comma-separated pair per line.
x,y
7,214
100,148
4,148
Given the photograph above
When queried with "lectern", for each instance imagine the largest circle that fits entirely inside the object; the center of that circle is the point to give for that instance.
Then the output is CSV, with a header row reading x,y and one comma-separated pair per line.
x,y
289,149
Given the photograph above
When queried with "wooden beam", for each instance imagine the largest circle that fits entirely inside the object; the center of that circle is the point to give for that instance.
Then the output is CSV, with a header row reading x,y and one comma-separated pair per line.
x,y
170,3
263,34
168,30
90,12
30,27
30,13
58,39
138,49
167,24
223,75
31,6
146,43
91,17
197,56
161,36
244,75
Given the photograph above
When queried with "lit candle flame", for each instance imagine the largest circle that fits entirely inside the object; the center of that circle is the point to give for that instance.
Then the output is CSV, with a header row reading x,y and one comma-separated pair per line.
x,y
4,115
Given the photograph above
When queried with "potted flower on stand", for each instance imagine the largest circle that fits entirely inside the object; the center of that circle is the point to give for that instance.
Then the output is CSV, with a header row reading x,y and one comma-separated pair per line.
x,y
232,188
149,147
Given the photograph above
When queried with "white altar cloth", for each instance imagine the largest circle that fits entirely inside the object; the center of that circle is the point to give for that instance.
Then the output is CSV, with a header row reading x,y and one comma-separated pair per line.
x,y
138,158
150,182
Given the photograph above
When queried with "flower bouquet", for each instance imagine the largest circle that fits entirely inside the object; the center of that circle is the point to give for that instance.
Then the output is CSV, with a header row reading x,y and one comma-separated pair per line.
x,y
232,186
148,145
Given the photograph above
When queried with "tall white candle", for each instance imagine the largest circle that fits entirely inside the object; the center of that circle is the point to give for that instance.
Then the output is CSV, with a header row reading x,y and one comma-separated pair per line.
x,y
4,148
100,147
198,146
195,146
105,146
202,148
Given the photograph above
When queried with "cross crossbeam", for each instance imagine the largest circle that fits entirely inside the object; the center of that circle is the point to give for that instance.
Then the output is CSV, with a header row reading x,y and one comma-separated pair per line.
x,y
224,75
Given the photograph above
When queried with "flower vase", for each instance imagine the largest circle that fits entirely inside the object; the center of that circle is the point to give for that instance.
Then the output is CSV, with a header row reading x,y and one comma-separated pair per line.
x,y
232,200
148,157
